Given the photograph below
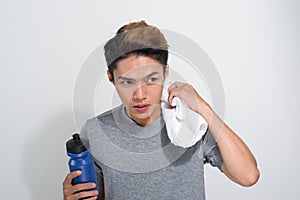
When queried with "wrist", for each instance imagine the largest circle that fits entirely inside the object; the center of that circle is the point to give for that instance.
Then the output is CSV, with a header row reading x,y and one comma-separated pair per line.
x,y
205,111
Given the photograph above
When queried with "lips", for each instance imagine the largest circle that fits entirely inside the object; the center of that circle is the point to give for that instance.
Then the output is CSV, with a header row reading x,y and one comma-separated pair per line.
x,y
141,107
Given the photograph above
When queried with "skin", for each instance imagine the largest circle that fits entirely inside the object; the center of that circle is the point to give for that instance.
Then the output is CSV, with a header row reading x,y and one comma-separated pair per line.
x,y
139,83
238,162
72,192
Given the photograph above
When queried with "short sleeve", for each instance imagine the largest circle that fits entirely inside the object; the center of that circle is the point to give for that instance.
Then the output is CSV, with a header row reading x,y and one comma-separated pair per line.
x,y
211,152
99,174
84,136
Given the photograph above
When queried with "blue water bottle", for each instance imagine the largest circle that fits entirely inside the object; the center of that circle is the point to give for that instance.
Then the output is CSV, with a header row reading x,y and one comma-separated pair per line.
x,y
81,159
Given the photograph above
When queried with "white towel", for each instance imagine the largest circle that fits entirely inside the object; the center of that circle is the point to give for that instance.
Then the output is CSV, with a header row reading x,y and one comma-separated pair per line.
x,y
184,126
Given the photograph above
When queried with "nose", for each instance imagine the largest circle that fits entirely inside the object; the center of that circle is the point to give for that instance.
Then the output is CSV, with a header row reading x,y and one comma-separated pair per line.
x,y
140,93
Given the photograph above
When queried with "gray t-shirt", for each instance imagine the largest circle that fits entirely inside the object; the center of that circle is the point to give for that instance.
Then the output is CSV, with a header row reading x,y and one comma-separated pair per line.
x,y
135,162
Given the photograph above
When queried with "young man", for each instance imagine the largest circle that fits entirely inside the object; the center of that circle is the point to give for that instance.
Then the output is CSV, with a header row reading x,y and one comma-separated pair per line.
x,y
137,67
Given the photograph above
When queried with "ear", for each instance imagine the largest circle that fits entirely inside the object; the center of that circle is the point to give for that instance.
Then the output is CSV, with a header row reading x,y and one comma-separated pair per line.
x,y
166,71
109,76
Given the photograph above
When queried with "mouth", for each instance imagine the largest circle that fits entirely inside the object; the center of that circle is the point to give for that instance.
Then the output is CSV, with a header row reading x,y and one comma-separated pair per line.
x,y
141,108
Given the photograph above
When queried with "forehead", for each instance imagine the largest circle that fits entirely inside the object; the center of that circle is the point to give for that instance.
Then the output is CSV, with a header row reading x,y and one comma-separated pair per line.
x,y
137,66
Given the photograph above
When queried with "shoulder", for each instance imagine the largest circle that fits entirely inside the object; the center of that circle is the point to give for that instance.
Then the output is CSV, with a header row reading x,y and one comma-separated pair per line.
x,y
97,124
105,118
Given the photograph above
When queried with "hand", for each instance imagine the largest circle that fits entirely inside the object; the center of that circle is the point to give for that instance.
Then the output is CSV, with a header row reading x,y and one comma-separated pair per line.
x,y
189,95
75,192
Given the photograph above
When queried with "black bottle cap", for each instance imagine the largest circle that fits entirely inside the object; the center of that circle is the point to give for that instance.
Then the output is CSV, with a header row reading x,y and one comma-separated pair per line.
x,y
75,145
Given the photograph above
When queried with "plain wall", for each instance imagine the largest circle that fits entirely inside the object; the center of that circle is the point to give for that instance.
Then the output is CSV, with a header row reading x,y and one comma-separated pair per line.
x,y
254,45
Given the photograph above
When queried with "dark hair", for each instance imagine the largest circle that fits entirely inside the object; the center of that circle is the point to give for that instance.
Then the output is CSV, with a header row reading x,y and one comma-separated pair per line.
x,y
139,39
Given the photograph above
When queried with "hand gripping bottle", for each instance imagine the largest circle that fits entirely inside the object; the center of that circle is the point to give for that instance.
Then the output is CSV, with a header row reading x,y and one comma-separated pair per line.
x,y
81,159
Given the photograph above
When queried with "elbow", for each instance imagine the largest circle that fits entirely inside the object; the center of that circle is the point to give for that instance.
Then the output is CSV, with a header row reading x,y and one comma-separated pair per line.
x,y
251,178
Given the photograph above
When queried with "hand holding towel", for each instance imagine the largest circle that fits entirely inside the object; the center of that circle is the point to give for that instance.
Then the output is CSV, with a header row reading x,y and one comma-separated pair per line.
x,y
185,127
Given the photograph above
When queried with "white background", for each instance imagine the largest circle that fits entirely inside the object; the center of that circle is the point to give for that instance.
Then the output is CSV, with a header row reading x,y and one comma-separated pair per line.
x,y
254,45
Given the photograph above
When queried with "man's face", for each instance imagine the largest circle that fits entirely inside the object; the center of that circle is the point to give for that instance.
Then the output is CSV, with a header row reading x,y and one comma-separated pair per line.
x,y
139,82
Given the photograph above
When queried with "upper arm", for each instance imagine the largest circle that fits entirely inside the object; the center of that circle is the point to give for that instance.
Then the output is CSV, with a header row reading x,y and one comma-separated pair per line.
x,y
98,170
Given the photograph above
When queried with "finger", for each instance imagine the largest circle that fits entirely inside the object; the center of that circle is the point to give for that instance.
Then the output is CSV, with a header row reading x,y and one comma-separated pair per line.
x,y
92,198
176,87
78,188
170,97
178,83
84,194
68,180
172,87
83,186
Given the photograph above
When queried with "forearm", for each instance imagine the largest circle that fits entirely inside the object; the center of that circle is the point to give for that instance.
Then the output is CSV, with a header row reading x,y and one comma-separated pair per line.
x,y
239,163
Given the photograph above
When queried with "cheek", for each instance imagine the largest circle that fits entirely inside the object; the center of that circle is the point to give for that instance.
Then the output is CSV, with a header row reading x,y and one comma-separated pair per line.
x,y
156,91
124,95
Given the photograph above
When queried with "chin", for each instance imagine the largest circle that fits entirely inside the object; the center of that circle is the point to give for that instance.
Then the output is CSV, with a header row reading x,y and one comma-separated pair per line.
x,y
140,116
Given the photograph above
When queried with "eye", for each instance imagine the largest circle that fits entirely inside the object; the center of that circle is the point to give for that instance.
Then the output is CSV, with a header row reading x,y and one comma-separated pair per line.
x,y
152,80
127,82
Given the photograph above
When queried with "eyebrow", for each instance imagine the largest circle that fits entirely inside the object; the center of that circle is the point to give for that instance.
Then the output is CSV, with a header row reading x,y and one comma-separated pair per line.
x,y
131,79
